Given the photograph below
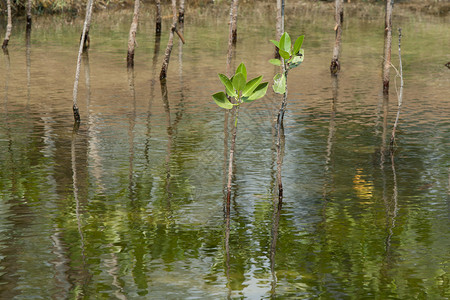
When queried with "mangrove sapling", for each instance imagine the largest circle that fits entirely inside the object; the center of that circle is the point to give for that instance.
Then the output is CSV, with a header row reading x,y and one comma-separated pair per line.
x,y
291,57
241,91
8,26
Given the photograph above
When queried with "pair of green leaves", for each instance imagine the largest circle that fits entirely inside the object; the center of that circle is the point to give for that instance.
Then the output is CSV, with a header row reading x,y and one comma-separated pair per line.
x,y
238,88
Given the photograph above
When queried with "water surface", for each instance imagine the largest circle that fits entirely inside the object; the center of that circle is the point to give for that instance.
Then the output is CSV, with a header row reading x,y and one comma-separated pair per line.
x,y
131,205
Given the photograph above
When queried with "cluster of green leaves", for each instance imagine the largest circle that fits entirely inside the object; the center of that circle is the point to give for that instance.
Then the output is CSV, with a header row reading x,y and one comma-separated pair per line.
x,y
291,56
238,88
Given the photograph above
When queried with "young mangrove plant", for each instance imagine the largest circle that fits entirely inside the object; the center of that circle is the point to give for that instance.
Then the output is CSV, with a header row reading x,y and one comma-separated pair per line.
x,y
291,56
240,91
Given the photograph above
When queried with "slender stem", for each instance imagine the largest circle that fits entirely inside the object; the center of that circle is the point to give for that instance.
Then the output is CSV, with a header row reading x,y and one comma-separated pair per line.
x,y
230,161
280,132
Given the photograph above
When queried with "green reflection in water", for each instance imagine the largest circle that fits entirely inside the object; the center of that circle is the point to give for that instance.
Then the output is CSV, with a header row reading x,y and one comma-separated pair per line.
x,y
147,216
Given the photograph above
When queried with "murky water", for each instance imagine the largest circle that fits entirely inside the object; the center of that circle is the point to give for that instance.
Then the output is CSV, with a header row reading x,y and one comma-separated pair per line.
x,y
131,206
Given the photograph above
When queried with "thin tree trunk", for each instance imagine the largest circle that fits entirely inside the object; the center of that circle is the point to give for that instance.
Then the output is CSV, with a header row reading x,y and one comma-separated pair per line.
x,y
181,12
387,44
158,17
335,66
165,65
28,62
8,26
132,35
280,24
231,44
28,14
234,6
87,39
400,94
76,112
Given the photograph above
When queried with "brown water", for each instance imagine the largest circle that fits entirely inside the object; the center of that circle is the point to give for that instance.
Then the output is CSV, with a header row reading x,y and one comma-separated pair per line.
x,y
131,206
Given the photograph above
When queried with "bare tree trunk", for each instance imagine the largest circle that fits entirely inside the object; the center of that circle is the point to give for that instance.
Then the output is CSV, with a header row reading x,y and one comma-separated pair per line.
x,y
400,94
158,17
280,24
335,66
28,14
28,61
169,47
76,113
87,39
132,35
234,6
181,12
8,26
387,44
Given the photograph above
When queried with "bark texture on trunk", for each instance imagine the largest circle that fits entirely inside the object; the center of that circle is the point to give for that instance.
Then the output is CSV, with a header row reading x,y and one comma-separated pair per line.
x,y
132,35
234,5
8,26
335,65
158,17
165,65
181,12
76,112
280,24
387,45
28,13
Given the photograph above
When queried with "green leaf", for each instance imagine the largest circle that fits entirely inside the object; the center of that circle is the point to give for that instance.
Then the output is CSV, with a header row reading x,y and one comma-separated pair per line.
x,y
276,43
285,43
297,60
251,86
241,69
228,85
221,99
239,81
298,44
279,83
259,92
275,62
284,54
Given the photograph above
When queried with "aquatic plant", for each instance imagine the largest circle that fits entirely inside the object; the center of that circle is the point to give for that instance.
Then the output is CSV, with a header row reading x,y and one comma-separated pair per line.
x,y
291,57
240,91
